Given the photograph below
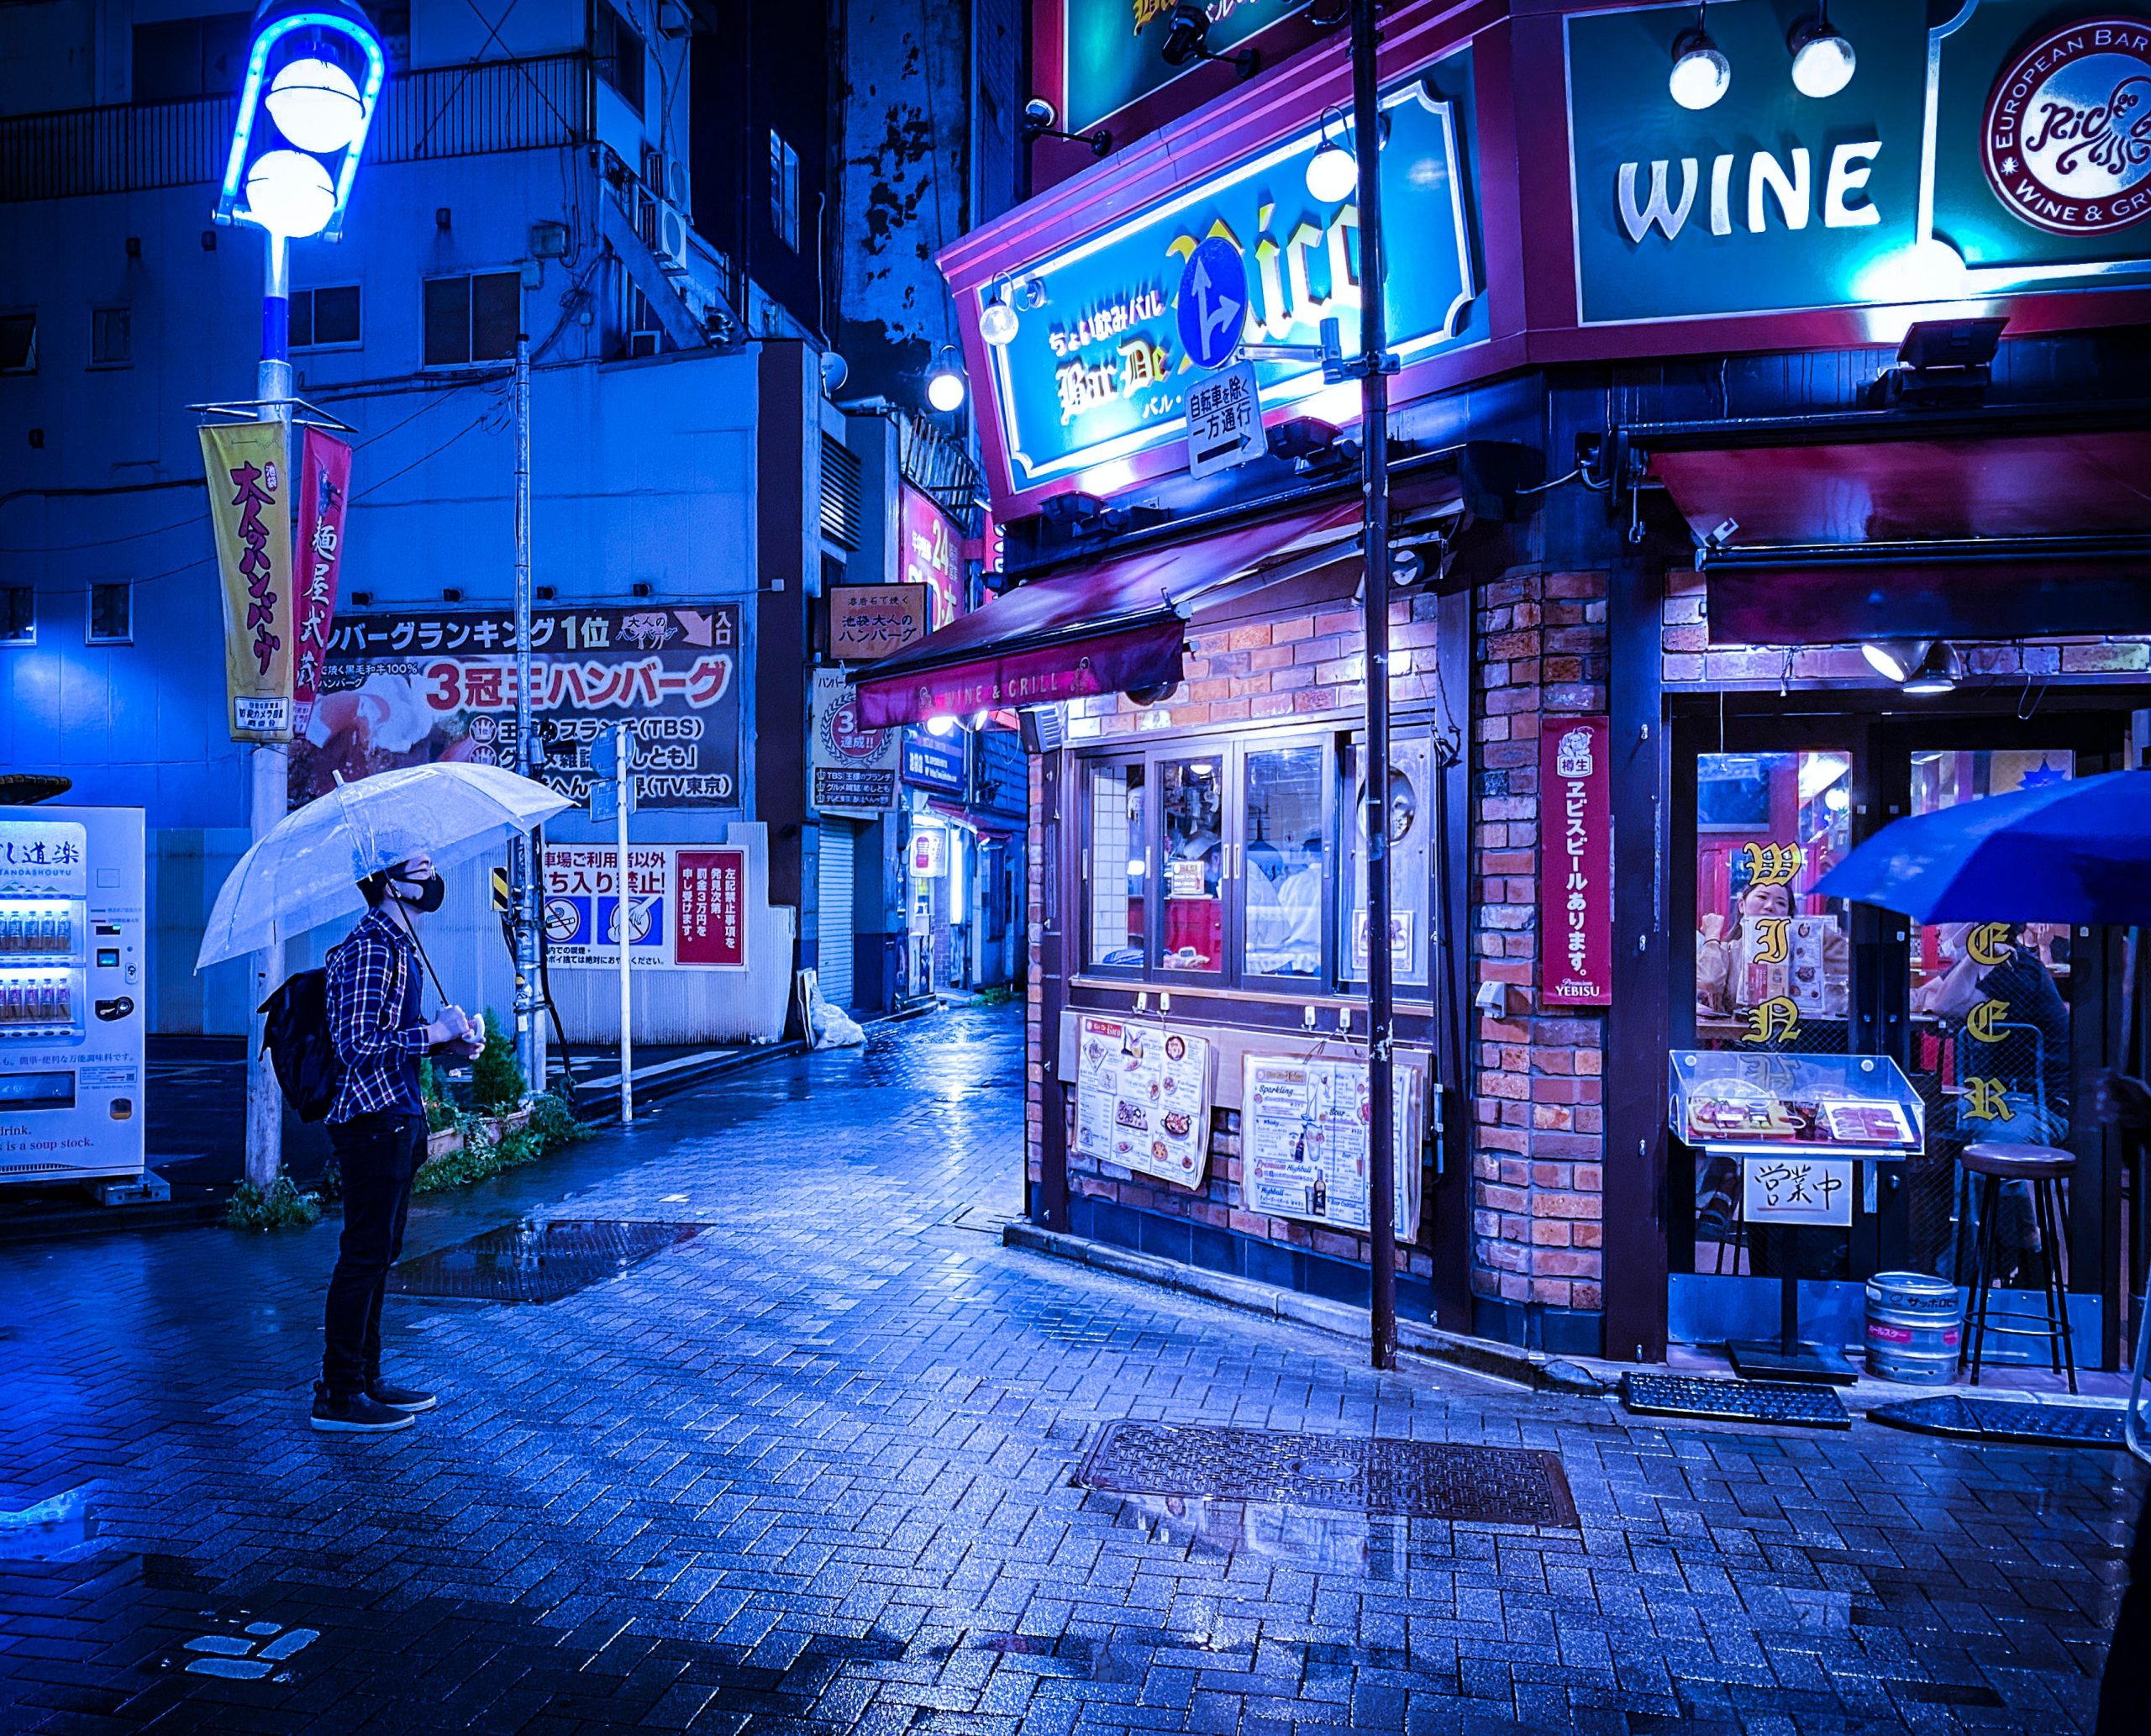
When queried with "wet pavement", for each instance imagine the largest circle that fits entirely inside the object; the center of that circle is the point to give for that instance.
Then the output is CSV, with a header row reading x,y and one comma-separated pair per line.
x,y
811,1469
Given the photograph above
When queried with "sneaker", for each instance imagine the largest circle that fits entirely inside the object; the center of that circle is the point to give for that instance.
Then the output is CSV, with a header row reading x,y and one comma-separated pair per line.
x,y
358,1414
399,1398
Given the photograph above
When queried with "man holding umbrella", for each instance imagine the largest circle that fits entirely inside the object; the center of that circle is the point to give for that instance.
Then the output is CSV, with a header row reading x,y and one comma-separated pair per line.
x,y
377,1130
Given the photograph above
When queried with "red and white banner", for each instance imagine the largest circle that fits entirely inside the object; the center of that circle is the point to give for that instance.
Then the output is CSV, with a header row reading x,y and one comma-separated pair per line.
x,y
932,553
1575,864
324,491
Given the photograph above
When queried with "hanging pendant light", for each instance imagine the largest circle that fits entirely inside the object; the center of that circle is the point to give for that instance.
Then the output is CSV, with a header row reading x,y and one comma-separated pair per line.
x,y
1333,171
1822,60
1700,74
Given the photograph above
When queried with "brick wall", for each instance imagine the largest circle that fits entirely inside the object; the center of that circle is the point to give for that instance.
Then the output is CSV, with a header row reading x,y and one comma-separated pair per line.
x,y
1538,1131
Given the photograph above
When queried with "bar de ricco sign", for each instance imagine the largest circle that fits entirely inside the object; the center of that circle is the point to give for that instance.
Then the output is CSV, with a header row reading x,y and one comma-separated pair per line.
x,y
1096,372
2007,148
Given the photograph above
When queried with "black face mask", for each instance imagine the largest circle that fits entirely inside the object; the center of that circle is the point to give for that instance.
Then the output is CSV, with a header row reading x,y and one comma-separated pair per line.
x,y
430,894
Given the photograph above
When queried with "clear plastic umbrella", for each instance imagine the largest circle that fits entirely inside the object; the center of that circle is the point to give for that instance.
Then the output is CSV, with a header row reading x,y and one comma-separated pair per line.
x,y
306,873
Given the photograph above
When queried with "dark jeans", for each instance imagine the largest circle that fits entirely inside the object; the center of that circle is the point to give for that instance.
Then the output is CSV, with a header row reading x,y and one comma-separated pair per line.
x,y
2124,1688
378,1155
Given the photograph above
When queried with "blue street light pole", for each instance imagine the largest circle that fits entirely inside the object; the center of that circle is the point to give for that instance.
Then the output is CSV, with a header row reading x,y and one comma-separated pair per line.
x,y
314,71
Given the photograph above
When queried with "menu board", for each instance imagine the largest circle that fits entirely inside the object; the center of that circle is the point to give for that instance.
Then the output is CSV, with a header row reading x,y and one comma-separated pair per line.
x,y
1142,1098
1303,1141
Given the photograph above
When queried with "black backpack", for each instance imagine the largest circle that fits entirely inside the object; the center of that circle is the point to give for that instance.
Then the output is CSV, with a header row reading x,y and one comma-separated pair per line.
x,y
297,1038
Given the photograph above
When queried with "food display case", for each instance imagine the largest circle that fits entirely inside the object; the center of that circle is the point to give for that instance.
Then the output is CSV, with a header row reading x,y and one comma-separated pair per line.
x,y
1806,1130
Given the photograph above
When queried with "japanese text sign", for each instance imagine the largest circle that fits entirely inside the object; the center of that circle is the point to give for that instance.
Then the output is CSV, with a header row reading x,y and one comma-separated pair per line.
x,y
250,512
854,767
1794,1189
870,622
1098,372
685,906
405,688
1576,868
934,762
324,491
932,555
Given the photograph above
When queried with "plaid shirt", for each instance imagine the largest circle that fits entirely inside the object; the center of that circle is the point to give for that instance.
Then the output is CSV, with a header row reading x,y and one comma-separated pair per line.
x,y
374,1019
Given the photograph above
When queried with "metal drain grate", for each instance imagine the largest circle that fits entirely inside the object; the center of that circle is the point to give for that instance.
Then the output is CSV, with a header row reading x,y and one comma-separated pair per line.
x,y
536,1263
1500,1486
2002,1420
1734,1401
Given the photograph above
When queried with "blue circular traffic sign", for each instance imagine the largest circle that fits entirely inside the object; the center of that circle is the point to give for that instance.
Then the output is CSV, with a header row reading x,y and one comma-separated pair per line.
x,y
1212,305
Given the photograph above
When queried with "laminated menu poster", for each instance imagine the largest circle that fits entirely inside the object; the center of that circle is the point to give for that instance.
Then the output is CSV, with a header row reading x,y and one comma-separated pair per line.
x,y
1303,1141
1142,1098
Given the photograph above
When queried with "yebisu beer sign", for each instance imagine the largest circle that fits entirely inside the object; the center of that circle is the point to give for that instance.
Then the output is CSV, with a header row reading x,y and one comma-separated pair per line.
x,y
2007,147
1096,371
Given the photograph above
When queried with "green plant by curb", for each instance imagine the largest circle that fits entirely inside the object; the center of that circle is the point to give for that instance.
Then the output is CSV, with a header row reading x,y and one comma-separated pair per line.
x,y
552,1124
497,1083
283,1206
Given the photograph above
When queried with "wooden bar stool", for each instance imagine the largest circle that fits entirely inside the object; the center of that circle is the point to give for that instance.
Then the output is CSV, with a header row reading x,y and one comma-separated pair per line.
x,y
1986,1166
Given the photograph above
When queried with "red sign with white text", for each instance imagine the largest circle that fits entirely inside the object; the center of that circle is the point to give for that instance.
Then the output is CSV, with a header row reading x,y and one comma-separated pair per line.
x,y
711,909
932,553
1575,864
325,487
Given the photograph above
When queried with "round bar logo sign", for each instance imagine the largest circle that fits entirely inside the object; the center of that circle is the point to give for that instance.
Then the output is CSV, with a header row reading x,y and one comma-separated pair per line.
x,y
2067,142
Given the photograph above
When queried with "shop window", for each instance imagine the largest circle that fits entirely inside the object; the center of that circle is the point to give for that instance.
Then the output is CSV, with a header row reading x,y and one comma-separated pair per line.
x,y
325,318
1116,871
1285,857
474,318
1192,804
617,49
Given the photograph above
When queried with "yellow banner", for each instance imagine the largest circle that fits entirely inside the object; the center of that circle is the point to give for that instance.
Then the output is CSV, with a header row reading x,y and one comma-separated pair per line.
x,y
251,509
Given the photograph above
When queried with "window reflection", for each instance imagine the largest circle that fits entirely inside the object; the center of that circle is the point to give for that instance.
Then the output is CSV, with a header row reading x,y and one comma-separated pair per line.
x,y
1192,795
1118,869
1286,847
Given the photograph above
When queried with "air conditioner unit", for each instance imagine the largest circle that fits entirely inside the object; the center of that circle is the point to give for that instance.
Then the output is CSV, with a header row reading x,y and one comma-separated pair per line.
x,y
674,239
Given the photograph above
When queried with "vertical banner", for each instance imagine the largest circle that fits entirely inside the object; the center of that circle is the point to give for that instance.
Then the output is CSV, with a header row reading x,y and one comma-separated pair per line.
x,y
250,512
932,553
1575,866
324,490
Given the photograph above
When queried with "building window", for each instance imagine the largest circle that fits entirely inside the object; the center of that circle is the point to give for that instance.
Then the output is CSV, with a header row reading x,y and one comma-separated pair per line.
x,y
784,190
18,615
1286,824
1191,803
111,337
17,343
191,57
474,318
111,614
618,50
325,318
1116,871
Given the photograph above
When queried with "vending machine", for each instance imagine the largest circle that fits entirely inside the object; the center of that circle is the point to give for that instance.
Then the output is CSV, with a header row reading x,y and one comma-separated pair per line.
x,y
73,942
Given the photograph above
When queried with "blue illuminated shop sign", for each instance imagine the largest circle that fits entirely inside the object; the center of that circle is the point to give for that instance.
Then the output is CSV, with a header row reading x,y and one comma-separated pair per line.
x,y
1096,372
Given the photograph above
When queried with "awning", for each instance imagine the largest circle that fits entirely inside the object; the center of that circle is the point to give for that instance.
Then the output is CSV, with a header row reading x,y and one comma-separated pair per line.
x,y
1889,530
1101,628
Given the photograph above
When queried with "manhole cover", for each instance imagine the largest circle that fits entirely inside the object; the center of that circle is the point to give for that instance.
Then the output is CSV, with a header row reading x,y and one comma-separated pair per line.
x,y
1501,1486
536,1262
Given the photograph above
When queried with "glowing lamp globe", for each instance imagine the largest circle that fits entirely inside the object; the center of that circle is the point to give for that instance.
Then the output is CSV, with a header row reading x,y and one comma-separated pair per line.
x,y
945,389
289,193
997,325
1823,61
315,105
1333,173
1701,75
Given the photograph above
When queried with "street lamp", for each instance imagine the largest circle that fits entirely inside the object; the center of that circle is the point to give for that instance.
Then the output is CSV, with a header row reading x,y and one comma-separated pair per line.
x,y
945,390
315,69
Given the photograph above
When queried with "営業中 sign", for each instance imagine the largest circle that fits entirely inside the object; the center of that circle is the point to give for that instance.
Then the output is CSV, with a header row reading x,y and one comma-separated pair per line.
x,y
1796,1190
1575,866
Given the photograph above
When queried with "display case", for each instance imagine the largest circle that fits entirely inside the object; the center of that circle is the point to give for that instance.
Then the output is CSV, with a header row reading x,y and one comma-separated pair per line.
x,y
1743,1103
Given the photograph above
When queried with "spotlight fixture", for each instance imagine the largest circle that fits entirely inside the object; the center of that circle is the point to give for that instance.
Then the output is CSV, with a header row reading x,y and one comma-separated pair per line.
x,y
1895,659
1042,120
1187,37
1701,75
1822,60
945,390
1938,672
941,723
1333,171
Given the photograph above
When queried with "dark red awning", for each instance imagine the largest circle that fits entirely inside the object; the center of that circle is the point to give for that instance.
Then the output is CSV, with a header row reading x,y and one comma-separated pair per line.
x,y
1103,628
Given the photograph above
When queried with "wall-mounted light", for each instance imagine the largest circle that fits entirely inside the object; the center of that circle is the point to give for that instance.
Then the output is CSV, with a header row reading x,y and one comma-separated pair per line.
x,y
1822,60
1700,74
1333,171
1042,120
1938,671
941,723
1895,659
996,320
945,387
1187,40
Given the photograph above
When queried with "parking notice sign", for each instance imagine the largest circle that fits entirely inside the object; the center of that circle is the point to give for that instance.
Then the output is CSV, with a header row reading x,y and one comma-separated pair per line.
x,y
1224,421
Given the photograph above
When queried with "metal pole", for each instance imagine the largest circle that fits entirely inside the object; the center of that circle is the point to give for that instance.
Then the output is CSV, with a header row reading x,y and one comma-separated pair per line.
x,y
268,782
525,873
1374,389
623,739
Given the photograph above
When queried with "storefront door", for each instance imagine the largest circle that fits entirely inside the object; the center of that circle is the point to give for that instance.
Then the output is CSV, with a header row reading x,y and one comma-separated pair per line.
x,y
1997,1026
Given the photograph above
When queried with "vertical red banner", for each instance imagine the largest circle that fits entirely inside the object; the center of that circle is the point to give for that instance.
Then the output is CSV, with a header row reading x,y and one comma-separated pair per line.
x,y
324,491
1576,863
710,909
933,553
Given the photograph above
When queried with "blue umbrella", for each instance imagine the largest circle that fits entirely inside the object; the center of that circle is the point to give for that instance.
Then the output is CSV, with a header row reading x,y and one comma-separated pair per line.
x,y
2067,852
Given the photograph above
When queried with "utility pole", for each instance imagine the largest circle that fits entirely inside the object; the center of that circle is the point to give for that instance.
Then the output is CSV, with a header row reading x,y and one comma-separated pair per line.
x,y
526,874
268,763
1373,398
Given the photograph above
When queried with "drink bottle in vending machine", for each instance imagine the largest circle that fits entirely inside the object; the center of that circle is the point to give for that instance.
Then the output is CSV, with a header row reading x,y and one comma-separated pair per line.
x,y
73,946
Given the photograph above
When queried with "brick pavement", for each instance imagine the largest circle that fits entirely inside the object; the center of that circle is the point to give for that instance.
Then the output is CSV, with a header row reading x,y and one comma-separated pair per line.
x,y
809,1473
